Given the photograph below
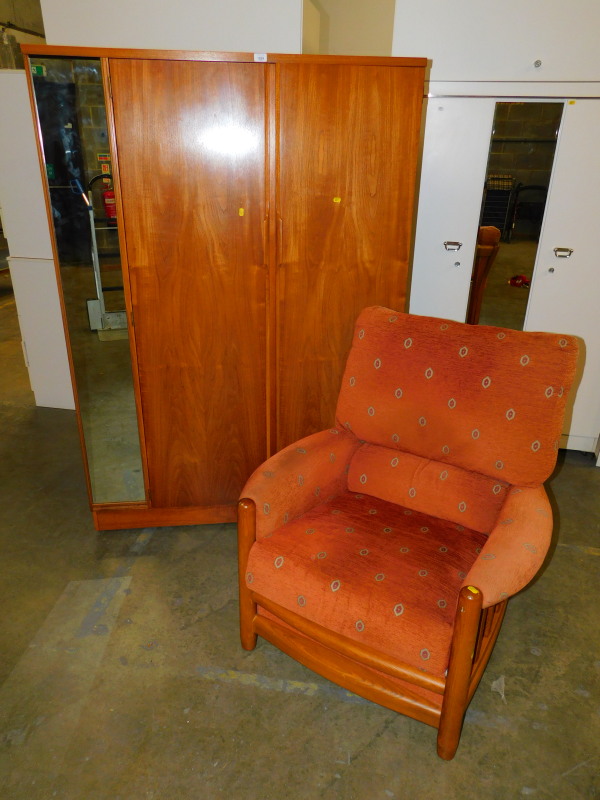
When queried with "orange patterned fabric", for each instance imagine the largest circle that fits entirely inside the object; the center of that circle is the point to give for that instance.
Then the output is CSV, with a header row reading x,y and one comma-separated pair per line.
x,y
485,399
439,489
445,433
372,571
303,475
516,547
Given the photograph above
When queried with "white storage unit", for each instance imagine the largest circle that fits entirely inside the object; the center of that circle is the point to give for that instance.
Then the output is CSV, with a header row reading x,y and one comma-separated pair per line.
x,y
521,52
455,153
468,40
40,321
565,292
31,264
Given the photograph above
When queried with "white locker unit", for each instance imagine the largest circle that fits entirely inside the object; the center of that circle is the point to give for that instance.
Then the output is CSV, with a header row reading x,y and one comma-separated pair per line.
x,y
31,261
455,153
565,292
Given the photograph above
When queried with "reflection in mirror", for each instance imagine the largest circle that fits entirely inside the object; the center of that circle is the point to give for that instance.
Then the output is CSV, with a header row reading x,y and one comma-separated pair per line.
x,y
70,104
518,173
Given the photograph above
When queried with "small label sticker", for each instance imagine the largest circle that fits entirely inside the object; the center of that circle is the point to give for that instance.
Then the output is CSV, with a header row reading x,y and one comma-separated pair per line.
x,y
262,57
337,199
39,70
50,172
241,212
105,168
103,156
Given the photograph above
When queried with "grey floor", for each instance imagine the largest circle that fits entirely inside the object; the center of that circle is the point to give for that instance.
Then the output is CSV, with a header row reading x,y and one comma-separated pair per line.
x,y
121,674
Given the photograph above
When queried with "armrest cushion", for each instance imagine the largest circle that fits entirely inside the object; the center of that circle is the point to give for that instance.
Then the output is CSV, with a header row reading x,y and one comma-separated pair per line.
x,y
516,547
303,475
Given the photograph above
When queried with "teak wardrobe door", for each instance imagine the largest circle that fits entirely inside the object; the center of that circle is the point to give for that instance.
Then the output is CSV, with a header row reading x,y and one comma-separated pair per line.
x,y
190,140
348,138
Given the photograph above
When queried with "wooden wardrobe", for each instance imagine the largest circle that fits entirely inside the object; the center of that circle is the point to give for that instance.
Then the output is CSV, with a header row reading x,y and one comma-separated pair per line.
x,y
263,201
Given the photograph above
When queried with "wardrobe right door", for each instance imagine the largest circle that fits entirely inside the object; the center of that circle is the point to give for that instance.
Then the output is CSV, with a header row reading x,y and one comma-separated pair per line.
x,y
347,138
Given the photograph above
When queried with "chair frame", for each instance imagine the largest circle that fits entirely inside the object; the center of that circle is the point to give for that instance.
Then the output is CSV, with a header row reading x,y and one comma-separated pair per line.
x,y
362,669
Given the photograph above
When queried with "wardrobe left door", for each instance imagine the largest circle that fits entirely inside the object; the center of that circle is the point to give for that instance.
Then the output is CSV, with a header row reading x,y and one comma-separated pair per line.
x,y
190,142
70,108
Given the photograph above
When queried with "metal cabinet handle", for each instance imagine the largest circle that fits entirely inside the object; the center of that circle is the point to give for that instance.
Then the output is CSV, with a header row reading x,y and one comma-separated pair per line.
x,y
563,252
453,245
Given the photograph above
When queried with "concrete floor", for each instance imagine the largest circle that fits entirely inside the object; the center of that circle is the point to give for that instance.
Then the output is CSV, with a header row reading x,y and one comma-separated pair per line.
x,y
122,677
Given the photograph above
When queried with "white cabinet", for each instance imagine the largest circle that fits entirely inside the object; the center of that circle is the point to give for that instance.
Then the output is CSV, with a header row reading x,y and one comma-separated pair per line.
x,y
455,153
468,40
565,293
40,322
31,263
21,192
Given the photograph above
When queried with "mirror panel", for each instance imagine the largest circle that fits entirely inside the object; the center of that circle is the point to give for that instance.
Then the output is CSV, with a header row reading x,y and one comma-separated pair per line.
x,y
522,149
69,96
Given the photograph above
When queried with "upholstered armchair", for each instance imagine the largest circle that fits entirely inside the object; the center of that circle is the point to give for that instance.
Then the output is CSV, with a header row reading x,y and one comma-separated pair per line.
x,y
381,553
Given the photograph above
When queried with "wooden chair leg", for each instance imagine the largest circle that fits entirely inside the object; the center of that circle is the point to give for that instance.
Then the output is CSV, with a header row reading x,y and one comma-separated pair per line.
x,y
456,693
246,538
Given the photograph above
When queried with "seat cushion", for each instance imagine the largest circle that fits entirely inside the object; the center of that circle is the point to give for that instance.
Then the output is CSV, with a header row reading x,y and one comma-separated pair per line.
x,y
372,571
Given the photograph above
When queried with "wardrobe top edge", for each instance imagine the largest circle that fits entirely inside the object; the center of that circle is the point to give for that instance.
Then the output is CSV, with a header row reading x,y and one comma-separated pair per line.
x,y
213,55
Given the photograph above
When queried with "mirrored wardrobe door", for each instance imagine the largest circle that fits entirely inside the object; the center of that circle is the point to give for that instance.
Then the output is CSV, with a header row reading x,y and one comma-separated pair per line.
x,y
70,102
519,168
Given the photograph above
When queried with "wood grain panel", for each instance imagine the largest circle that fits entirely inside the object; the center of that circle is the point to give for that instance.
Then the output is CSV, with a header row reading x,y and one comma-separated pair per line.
x,y
191,147
348,138
124,517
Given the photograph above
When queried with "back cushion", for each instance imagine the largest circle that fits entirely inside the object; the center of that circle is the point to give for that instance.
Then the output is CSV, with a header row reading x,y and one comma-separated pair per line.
x,y
441,490
485,399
